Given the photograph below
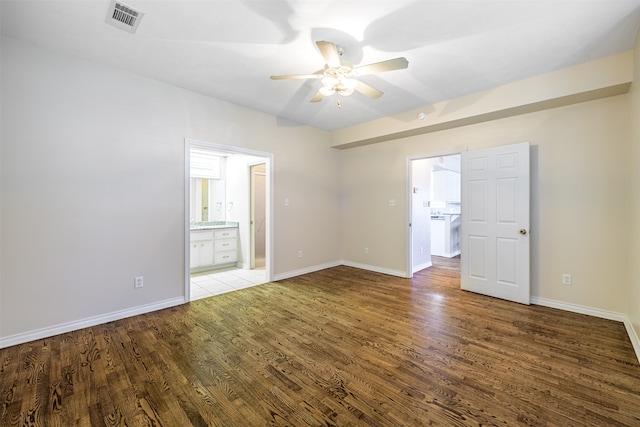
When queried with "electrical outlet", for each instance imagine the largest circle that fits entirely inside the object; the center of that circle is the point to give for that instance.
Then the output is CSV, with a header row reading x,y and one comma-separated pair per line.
x,y
138,282
366,251
566,279
299,254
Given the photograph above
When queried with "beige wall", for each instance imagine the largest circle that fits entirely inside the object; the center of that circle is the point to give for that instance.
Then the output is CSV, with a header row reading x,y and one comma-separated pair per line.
x,y
92,179
633,297
579,195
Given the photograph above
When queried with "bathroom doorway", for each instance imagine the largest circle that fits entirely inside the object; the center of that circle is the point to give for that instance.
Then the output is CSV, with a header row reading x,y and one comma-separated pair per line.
x,y
258,215
220,243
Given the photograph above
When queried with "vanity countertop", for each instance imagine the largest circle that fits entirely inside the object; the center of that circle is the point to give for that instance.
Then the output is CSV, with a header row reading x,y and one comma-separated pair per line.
x,y
441,216
210,225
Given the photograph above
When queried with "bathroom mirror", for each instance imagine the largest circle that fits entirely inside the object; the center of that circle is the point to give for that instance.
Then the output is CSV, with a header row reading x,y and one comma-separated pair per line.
x,y
207,200
208,186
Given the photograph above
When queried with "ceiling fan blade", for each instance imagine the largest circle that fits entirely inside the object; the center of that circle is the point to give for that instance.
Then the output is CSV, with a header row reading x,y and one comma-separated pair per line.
x,y
297,76
380,67
367,90
330,53
317,97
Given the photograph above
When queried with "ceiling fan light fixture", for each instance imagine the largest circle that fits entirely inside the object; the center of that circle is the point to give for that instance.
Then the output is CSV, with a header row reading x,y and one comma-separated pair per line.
x,y
327,90
330,81
345,91
339,77
350,83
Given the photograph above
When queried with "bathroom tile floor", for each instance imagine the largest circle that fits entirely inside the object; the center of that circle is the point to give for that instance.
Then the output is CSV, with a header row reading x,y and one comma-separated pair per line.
x,y
210,283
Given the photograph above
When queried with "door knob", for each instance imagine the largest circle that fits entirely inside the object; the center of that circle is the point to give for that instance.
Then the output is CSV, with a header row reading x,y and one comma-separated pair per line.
x,y
523,231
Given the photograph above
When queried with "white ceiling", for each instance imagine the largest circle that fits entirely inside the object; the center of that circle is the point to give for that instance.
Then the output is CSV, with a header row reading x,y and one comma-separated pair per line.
x,y
228,48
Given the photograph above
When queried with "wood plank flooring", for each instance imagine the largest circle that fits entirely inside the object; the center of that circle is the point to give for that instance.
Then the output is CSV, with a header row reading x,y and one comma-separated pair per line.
x,y
339,347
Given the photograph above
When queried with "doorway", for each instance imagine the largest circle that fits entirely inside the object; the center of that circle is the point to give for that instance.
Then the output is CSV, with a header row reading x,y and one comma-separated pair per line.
x,y
219,247
435,209
258,215
494,229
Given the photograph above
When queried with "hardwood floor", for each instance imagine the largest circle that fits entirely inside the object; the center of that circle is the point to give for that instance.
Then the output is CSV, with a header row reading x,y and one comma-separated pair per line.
x,y
339,347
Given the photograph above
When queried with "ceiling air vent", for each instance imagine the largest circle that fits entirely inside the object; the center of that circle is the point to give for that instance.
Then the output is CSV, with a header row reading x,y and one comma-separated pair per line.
x,y
124,17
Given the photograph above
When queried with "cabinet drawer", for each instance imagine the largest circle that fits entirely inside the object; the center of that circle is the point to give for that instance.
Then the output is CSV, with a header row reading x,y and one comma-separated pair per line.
x,y
224,257
226,245
226,233
198,236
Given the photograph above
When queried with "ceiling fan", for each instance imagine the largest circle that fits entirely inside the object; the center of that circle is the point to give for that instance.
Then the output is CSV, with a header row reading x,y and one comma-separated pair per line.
x,y
340,78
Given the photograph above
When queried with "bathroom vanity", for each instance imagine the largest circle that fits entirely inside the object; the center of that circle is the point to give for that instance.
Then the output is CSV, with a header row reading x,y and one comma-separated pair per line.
x,y
213,244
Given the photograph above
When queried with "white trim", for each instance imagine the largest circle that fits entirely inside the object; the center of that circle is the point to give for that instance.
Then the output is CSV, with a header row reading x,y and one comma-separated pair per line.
x,y
635,341
187,221
422,267
398,273
306,270
581,309
319,267
87,322
596,312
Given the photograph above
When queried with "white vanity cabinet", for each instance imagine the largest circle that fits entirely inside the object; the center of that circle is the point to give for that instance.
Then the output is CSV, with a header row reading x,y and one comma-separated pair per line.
x,y
201,251
225,246
213,248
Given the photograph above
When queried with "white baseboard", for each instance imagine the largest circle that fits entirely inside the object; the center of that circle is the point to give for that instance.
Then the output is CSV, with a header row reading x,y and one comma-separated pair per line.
x,y
581,309
596,312
398,273
635,341
422,266
305,270
87,322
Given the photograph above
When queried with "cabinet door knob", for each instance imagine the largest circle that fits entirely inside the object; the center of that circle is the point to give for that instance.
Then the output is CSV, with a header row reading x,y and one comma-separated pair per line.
x,y
523,231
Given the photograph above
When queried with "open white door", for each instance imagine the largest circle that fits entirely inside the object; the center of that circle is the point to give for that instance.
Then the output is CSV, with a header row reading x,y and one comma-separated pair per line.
x,y
495,222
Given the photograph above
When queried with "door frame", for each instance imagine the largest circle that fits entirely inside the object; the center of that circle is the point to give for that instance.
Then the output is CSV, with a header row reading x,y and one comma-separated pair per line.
x,y
267,158
409,198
